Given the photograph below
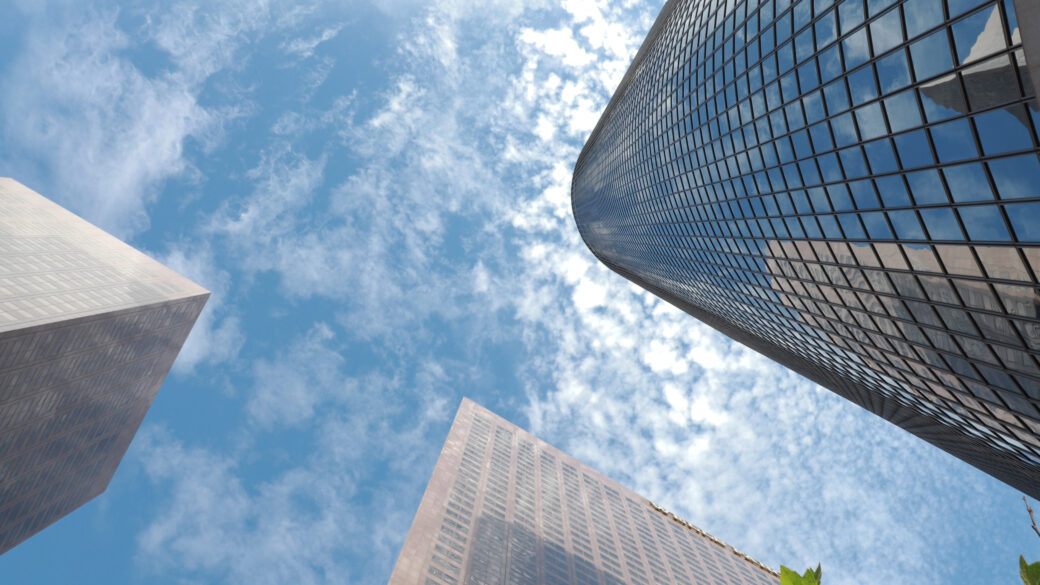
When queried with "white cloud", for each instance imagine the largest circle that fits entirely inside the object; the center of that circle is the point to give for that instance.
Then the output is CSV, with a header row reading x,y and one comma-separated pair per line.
x,y
558,43
289,390
468,135
333,516
304,47
205,37
100,132
106,134
216,337
284,184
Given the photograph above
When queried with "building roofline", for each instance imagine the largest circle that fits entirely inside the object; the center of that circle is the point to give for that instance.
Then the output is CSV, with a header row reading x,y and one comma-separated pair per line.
x,y
469,407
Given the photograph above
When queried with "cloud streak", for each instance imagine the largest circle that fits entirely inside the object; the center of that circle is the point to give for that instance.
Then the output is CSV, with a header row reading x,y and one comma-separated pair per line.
x,y
436,221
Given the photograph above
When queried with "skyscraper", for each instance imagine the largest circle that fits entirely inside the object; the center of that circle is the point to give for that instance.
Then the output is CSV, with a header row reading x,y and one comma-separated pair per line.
x,y
89,328
850,187
505,508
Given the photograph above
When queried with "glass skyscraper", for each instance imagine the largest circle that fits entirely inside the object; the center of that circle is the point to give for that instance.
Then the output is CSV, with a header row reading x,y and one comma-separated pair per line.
x,y
505,508
89,327
850,187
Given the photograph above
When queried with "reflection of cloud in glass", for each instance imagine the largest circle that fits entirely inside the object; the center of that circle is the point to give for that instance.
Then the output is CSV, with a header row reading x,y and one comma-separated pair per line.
x,y
856,49
922,15
886,32
1017,176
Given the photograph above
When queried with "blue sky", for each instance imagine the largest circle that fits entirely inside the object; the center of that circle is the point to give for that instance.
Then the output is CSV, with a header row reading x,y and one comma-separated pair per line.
x,y
377,193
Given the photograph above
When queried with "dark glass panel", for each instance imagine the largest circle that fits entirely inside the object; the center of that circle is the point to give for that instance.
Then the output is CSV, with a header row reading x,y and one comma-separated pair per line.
x,y
961,6
1016,177
978,35
855,50
844,130
881,157
894,72
862,87
851,226
851,15
902,111
914,149
984,223
953,141
931,55
968,182
886,32
837,97
943,98
1025,220
830,63
840,199
876,225
893,192
826,29
941,224
992,83
906,225
922,15
871,121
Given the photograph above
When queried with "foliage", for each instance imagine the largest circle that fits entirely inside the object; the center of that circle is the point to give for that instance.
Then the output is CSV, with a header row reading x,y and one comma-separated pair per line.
x,y
811,577
1030,573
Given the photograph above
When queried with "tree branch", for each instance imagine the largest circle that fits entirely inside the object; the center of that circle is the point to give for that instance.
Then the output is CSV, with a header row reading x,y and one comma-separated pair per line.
x,y
1031,517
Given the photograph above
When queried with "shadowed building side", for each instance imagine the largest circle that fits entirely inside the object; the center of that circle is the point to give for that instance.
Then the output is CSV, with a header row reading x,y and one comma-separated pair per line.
x,y
89,328
852,190
504,507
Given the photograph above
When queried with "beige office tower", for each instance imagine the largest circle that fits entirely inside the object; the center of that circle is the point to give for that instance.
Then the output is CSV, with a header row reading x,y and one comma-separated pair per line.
x,y
505,508
89,328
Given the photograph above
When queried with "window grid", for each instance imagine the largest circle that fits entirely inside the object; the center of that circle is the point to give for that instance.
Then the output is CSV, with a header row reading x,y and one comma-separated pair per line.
x,y
778,174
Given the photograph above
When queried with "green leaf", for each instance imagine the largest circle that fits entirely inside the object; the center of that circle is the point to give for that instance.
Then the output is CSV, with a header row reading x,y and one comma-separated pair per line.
x,y
811,577
1030,573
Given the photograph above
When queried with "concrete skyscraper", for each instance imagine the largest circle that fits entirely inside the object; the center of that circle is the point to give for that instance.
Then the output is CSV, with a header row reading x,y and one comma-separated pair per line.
x,y
89,328
505,508
850,187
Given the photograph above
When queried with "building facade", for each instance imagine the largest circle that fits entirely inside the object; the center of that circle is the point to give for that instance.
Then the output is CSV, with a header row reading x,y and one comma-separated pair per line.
x,y
850,187
505,508
89,328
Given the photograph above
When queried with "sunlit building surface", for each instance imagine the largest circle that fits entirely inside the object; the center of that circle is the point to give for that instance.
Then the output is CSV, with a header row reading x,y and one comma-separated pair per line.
x,y
89,327
505,508
851,188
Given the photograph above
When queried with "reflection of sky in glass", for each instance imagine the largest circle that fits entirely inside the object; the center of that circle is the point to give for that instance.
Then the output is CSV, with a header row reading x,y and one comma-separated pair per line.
x,y
886,32
967,182
931,55
902,126
893,71
984,223
953,141
1016,177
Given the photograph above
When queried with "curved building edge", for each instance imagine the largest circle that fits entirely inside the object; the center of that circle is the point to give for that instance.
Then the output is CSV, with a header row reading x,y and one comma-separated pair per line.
x,y
960,445
619,93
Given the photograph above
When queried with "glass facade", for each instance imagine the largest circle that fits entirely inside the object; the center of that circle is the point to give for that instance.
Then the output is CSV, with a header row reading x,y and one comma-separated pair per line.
x,y
505,508
851,187
89,327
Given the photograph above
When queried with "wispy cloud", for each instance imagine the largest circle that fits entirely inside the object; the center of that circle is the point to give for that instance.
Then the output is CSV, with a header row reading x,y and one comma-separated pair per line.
x,y
305,522
289,390
103,133
304,47
452,220
217,335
